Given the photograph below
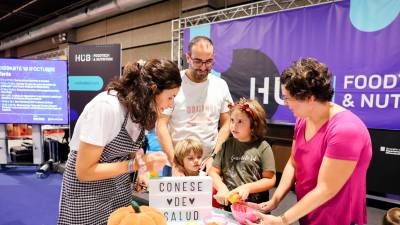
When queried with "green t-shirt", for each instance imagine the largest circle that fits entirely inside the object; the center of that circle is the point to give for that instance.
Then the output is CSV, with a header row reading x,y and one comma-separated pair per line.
x,y
243,162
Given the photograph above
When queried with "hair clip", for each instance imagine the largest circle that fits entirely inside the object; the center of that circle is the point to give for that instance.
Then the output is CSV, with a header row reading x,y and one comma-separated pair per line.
x,y
244,106
141,62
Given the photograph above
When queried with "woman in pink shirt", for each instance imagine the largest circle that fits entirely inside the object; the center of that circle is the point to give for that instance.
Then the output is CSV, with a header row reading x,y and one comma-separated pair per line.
x,y
331,153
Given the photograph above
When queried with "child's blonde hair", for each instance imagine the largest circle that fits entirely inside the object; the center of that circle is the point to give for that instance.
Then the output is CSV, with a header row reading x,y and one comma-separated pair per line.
x,y
256,114
185,147
392,217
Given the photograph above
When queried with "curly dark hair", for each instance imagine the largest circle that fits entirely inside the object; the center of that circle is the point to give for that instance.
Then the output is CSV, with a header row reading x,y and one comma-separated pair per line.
x,y
307,77
137,87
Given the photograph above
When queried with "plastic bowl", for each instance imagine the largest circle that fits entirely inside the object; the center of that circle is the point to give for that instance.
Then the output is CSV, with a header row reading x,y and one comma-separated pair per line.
x,y
242,212
215,220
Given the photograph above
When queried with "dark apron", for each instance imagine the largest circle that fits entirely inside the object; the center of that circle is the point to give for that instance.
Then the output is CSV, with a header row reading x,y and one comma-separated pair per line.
x,y
92,202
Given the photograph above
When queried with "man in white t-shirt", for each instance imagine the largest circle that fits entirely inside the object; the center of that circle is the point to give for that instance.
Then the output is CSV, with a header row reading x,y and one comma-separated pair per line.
x,y
201,106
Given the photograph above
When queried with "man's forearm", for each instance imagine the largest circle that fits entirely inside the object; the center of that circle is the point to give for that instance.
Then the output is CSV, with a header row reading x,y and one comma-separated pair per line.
x,y
168,148
166,142
223,134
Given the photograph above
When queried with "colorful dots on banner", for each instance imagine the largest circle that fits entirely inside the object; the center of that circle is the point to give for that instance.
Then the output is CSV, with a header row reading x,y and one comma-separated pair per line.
x,y
373,15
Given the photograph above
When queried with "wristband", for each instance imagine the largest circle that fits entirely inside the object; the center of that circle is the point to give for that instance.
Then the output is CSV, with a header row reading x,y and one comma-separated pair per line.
x,y
284,220
130,165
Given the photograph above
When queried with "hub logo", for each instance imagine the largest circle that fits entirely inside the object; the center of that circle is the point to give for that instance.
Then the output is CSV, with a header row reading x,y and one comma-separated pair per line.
x,y
253,74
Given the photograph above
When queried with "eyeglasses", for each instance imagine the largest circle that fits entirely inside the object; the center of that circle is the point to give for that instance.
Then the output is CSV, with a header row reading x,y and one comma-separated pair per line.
x,y
199,62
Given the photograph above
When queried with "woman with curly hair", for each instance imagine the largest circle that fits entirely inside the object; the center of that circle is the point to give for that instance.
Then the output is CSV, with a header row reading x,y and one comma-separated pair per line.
x,y
107,141
331,153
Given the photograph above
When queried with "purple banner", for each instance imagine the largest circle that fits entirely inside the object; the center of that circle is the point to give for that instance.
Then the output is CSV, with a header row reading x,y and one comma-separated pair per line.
x,y
251,53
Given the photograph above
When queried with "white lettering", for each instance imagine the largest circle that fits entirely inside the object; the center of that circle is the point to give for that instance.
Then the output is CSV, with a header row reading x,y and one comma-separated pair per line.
x,y
82,58
378,82
375,81
252,88
361,82
277,91
380,100
386,79
348,80
265,90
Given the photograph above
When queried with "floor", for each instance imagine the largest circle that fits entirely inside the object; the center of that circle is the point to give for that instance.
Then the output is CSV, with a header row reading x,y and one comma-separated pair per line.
x,y
26,199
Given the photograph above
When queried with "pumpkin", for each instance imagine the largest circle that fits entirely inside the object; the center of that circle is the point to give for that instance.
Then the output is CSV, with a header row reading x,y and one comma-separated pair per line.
x,y
136,215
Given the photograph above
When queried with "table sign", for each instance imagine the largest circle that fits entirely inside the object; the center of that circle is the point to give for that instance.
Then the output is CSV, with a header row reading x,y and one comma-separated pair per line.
x,y
182,199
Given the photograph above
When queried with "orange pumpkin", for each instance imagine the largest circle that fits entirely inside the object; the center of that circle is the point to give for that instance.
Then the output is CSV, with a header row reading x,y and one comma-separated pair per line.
x,y
136,215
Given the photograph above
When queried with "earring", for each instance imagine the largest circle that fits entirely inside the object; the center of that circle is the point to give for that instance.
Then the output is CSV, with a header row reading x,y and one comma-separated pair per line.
x,y
153,88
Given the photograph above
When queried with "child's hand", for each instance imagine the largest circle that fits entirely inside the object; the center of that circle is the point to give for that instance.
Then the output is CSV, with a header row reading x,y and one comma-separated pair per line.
x,y
222,196
242,191
234,197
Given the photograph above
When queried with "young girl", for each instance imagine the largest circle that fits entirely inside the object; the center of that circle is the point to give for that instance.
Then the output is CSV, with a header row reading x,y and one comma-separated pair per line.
x,y
187,156
245,164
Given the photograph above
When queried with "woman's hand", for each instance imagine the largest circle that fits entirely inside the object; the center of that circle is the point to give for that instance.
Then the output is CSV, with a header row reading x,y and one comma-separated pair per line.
x,y
155,161
266,220
222,196
142,183
264,207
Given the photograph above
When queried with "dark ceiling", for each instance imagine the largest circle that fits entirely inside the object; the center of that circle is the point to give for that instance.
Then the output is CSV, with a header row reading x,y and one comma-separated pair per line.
x,y
19,15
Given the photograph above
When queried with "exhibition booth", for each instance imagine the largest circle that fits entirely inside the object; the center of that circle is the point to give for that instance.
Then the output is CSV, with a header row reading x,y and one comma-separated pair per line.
x,y
41,99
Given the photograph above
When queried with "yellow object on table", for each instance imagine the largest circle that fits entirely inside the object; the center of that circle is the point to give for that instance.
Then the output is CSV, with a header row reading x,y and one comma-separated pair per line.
x,y
153,174
234,198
